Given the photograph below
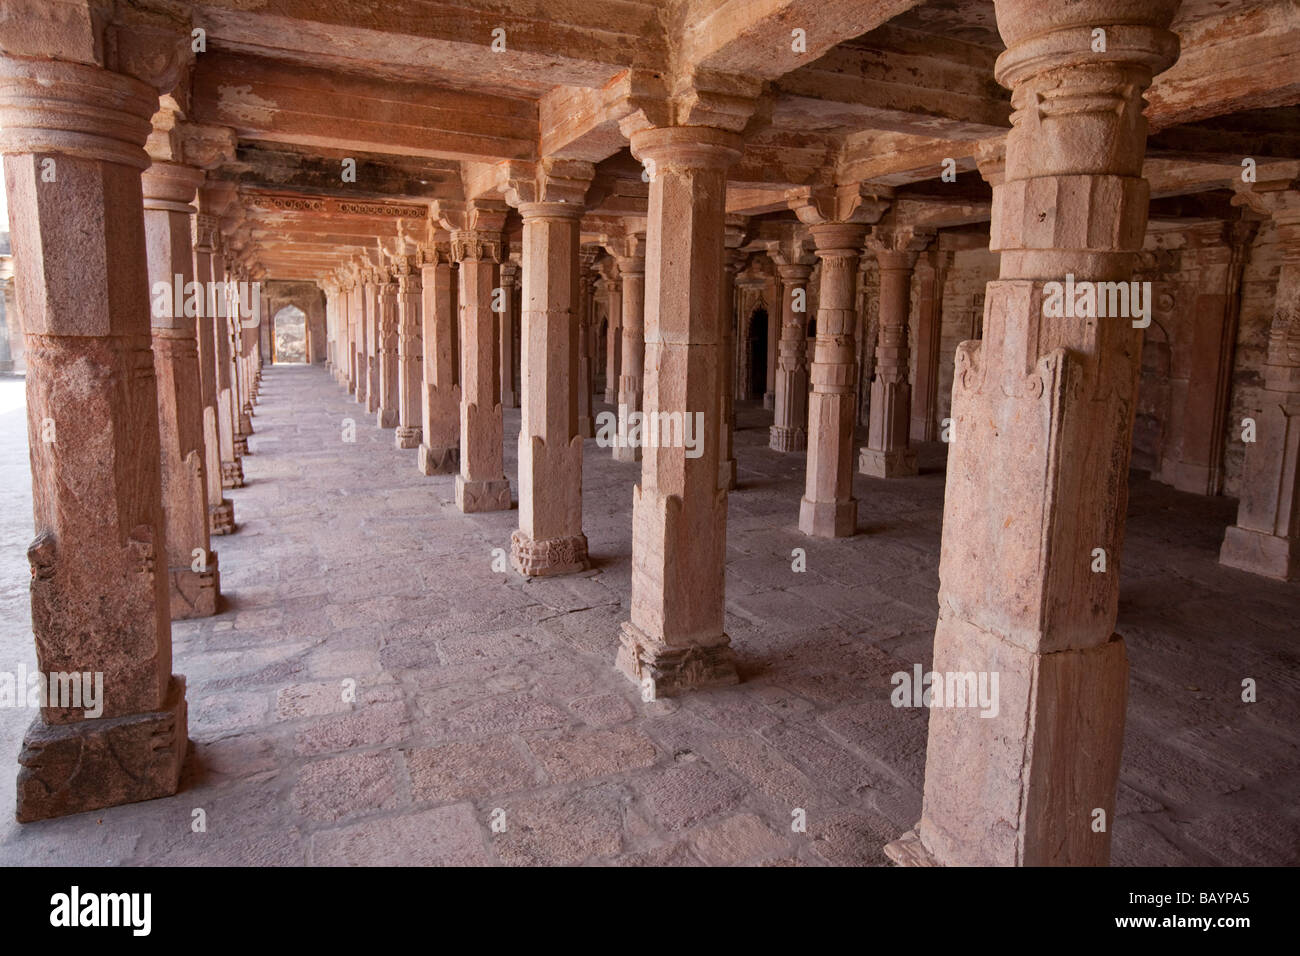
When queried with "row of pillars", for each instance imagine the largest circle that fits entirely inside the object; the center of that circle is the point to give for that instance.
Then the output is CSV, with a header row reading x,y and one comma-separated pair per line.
x,y
1036,480
143,365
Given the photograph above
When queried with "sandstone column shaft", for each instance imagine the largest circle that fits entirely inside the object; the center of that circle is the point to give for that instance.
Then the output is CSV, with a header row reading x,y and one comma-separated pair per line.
x,y
1266,538
440,396
888,453
586,425
99,599
191,564
370,296
232,468
632,336
481,484
410,356
509,398
1037,472
828,509
221,511
386,357
929,331
675,639
726,431
613,340
790,415
549,539
773,341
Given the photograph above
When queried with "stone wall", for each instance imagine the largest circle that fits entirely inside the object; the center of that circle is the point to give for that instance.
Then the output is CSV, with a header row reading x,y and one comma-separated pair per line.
x,y
963,313
1258,302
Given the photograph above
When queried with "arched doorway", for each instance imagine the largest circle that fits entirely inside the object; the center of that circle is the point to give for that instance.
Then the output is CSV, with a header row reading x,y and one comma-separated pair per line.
x,y
289,336
758,353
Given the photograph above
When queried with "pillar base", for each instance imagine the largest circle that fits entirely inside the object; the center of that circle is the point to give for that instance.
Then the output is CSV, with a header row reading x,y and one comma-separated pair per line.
x,y
386,418
727,474
769,400
898,463
475,495
586,427
439,461
828,519
1259,553
194,593
627,452
245,424
787,439
90,764
232,474
408,437
550,556
509,400
221,518
241,445
908,850
248,413
1019,785
611,396
661,670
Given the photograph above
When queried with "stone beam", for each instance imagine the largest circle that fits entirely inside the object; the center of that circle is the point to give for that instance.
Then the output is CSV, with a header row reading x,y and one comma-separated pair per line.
x,y
1243,59
899,80
545,45
896,159
317,172
754,37
266,100
775,157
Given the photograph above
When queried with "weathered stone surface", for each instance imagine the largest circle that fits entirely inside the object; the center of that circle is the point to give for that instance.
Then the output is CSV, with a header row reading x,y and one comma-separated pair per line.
x,y
444,836
469,769
70,768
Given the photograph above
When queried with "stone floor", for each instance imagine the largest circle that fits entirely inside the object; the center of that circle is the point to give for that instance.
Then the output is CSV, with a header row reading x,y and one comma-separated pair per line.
x,y
481,697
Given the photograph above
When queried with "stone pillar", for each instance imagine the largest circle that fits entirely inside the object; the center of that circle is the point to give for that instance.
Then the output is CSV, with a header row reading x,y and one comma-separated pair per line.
x,y
549,539
370,299
509,398
931,273
386,346
481,484
1265,538
13,323
631,270
888,453
828,508
240,281
1037,474
1200,379
410,354
614,340
249,334
361,373
586,346
241,427
193,581
726,430
221,511
790,417
675,640
773,340
99,601
232,466
440,395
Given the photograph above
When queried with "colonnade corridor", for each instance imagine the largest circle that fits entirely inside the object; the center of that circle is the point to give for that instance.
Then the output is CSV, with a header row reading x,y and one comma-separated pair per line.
x,y
477,690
